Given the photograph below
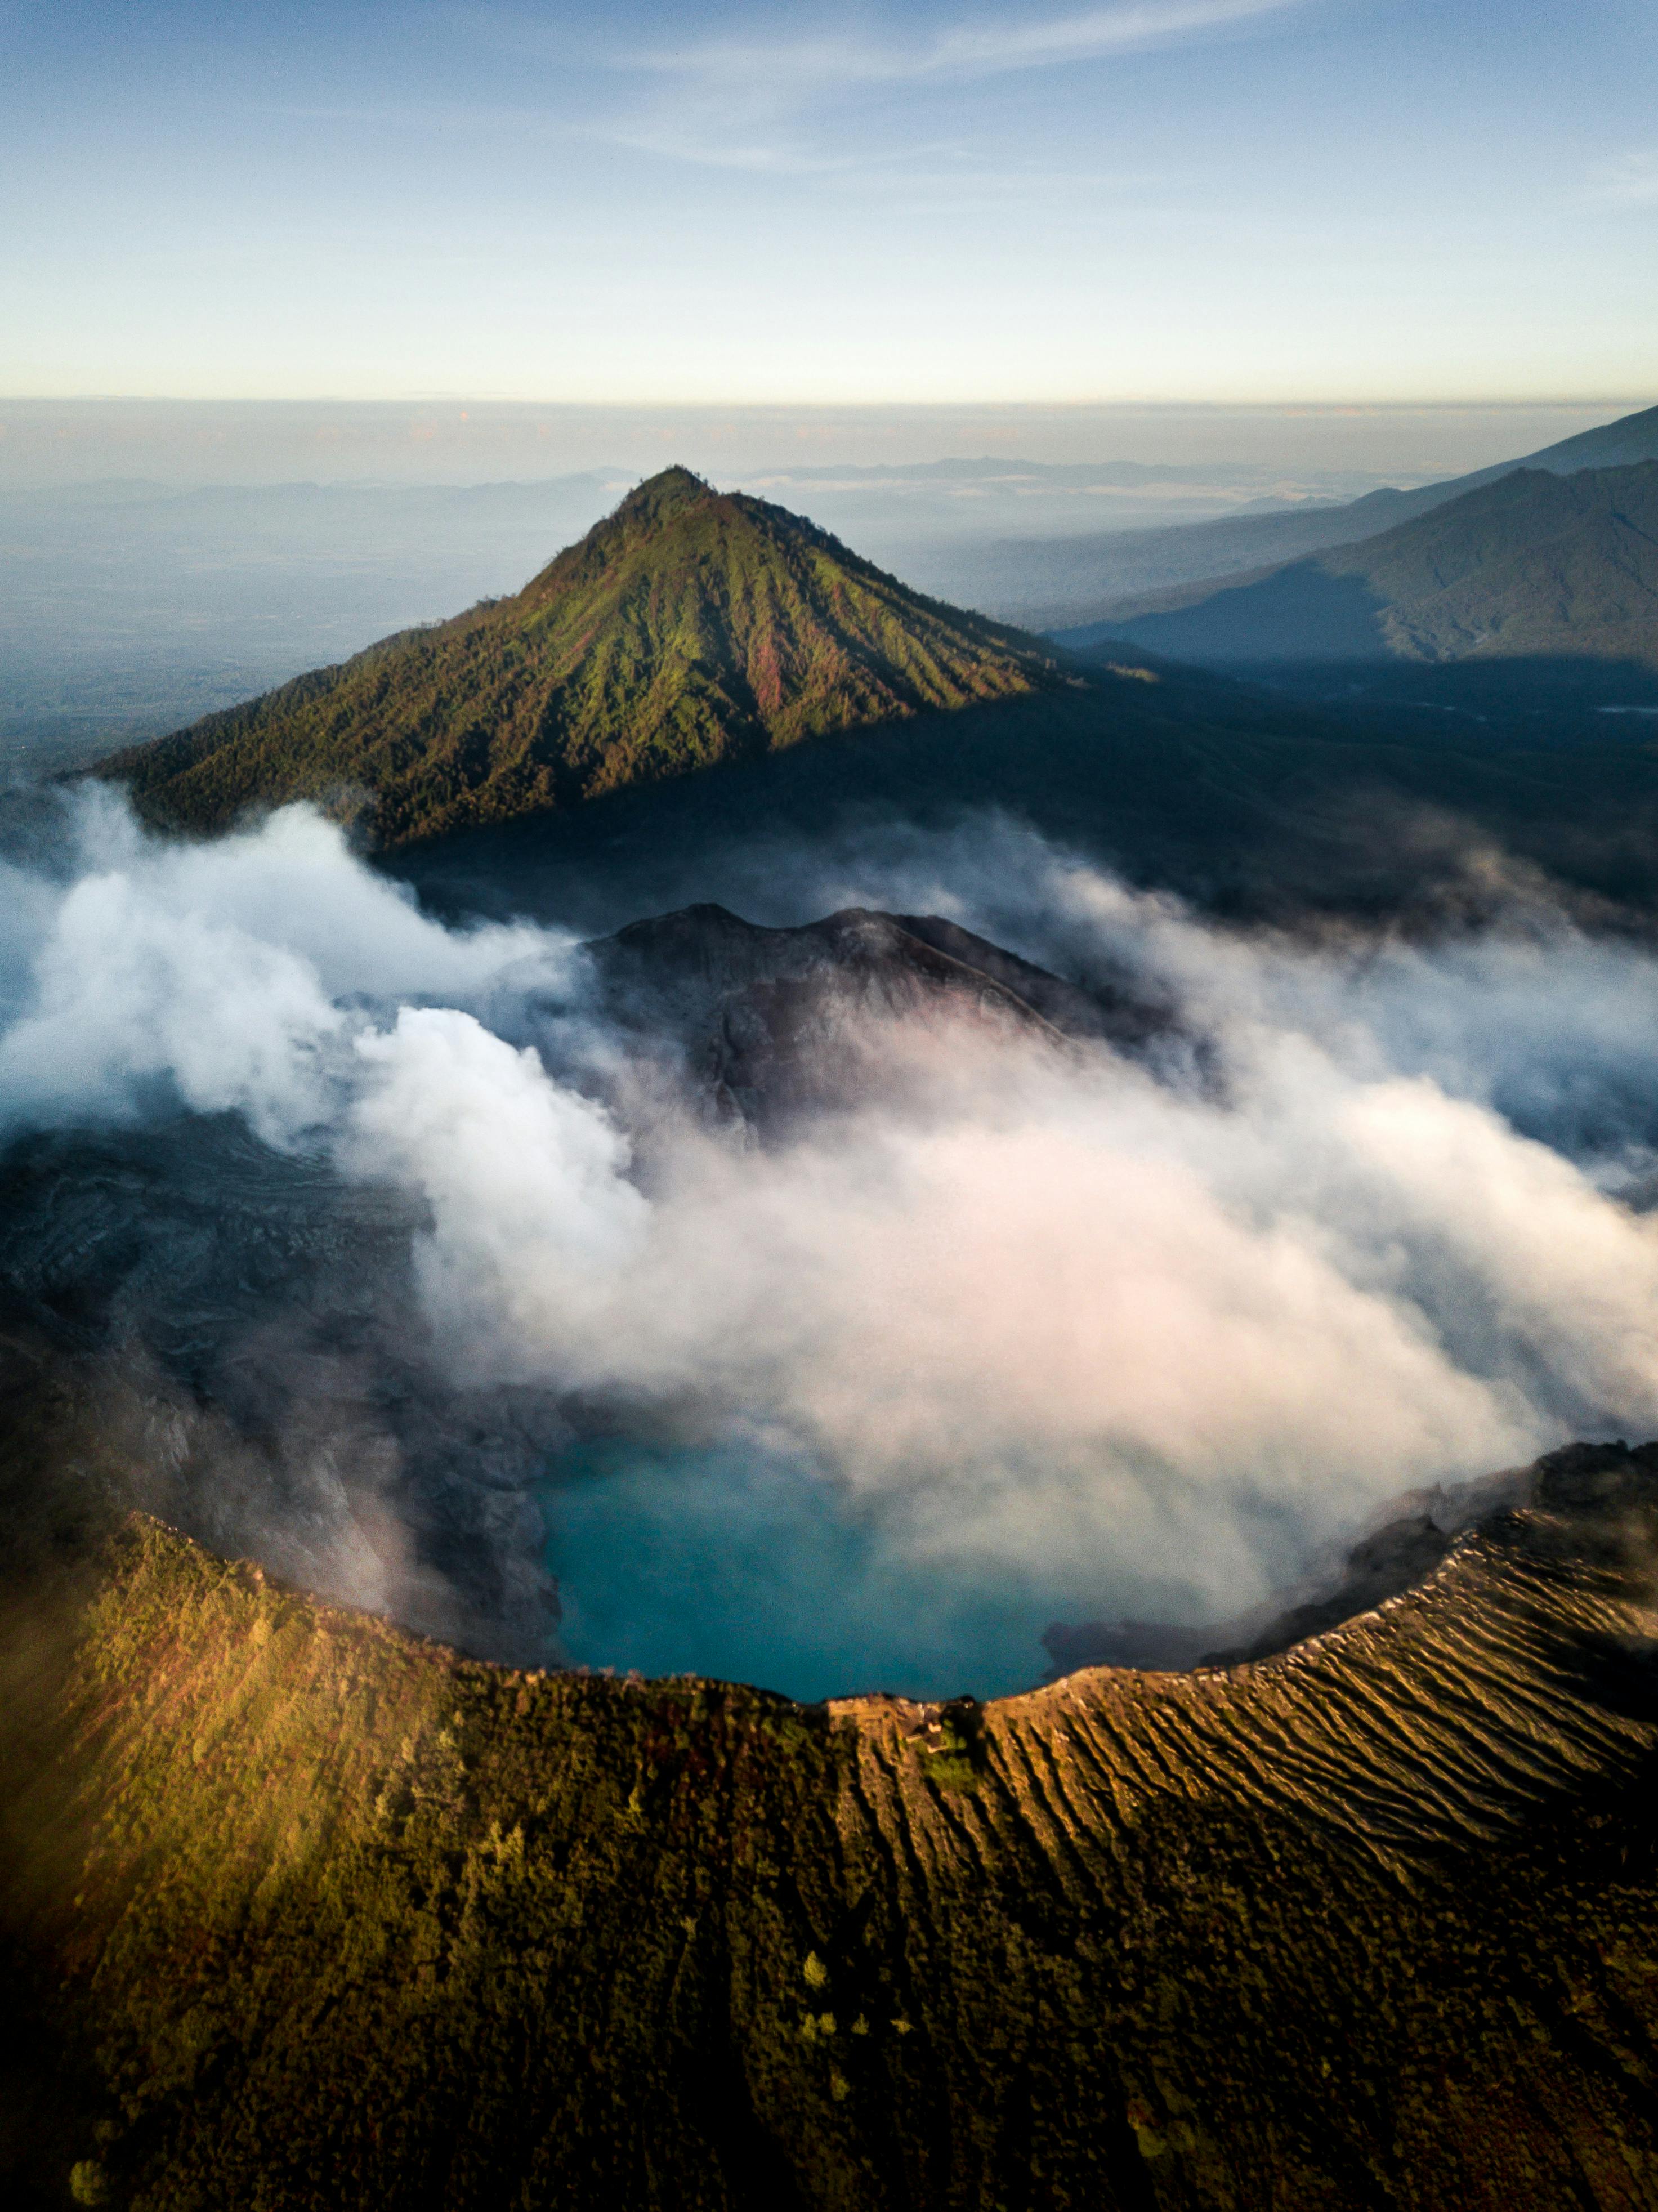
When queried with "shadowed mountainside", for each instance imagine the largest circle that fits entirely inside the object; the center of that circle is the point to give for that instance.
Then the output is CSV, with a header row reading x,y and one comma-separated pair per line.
x,y
1245,801
538,745
299,1911
1531,565
690,627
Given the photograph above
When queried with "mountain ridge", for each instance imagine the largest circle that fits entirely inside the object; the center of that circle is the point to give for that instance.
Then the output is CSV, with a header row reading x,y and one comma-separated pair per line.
x,y
1086,583
303,1911
1529,563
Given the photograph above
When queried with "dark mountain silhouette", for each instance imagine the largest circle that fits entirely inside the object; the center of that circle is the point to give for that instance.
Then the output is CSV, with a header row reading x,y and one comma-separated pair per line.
x,y
1530,565
1066,586
1621,445
690,627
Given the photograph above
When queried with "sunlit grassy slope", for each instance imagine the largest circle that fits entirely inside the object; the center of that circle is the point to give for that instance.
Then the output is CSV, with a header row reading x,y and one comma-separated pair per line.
x,y
304,1912
687,628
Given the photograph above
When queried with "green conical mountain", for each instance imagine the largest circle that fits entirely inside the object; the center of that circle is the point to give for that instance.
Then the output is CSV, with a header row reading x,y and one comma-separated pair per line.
x,y
690,627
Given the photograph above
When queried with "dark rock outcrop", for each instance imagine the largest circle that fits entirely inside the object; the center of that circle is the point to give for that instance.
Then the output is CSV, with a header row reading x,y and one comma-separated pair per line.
x,y
772,1022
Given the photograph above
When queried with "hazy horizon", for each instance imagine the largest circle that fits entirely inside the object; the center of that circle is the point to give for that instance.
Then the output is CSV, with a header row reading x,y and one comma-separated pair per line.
x,y
466,440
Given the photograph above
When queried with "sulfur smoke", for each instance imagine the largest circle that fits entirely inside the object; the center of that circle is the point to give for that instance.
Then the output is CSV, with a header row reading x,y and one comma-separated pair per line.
x,y
1025,1326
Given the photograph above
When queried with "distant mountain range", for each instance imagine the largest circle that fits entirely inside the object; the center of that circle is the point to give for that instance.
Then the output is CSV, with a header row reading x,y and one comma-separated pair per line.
x,y
130,610
1529,563
689,628
1061,586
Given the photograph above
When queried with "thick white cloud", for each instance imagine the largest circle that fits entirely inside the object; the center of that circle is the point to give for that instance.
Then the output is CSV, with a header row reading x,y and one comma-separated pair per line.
x,y
229,974
534,1219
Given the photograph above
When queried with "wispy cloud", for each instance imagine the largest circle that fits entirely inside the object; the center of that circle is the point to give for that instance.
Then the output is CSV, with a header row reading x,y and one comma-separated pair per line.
x,y
1627,180
735,135
759,104
983,49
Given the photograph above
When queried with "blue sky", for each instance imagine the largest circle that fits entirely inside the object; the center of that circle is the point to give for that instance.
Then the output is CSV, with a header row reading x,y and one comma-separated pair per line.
x,y
1233,200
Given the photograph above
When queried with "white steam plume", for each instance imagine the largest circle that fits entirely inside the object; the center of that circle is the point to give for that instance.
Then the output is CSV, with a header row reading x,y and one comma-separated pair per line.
x,y
1049,1311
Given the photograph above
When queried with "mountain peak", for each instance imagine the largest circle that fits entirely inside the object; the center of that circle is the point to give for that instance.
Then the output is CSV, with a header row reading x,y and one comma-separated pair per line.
x,y
689,628
672,491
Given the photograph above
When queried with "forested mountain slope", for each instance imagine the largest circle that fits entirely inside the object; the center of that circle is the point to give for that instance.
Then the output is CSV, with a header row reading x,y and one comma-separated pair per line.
x,y
690,627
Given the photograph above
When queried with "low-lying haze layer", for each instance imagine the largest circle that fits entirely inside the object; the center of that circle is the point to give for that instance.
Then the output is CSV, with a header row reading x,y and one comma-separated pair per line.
x,y
1025,1328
